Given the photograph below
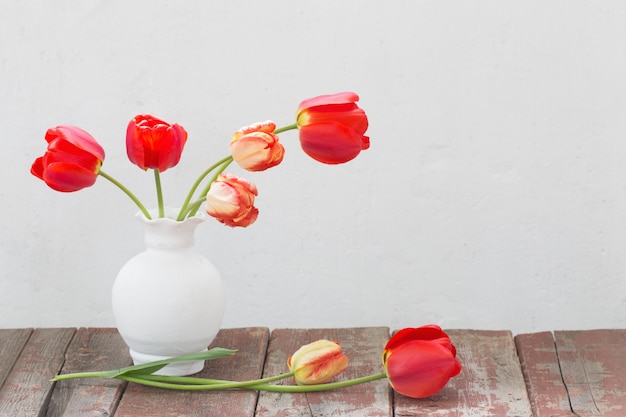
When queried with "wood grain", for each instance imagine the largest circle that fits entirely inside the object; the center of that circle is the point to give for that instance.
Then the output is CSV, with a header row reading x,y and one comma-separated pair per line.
x,y
90,350
142,401
542,374
363,346
490,384
27,388
593,365
12,342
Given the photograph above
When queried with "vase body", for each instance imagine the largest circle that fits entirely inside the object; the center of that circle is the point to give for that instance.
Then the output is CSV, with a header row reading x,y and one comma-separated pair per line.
x,y
169,299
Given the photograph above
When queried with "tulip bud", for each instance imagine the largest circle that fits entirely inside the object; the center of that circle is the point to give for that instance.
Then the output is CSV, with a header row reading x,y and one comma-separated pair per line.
x,y
317,362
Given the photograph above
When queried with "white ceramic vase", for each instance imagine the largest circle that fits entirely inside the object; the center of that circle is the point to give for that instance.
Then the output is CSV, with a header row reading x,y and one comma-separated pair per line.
x,y
169,299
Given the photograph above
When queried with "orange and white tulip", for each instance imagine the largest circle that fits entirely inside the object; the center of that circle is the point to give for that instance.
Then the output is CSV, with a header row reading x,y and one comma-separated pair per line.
x,y
256,148
231,201
317,362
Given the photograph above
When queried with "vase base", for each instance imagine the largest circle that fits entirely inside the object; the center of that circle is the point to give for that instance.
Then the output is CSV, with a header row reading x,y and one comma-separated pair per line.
x,y
174,369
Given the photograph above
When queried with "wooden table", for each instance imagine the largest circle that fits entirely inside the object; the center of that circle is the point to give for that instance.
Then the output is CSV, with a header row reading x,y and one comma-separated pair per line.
x,y
549,374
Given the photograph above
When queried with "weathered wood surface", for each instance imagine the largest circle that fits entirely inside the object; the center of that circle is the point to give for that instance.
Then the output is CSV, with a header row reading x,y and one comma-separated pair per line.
x,y
12,342
490,383
583,371
27,388
542,373
593,365
363,346
90,350
251,343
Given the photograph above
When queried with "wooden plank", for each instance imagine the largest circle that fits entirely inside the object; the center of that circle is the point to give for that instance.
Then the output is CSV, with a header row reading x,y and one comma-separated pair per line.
x,y
12,342
27,388
142,401
542,373
490,384
593,365
363,346
90,350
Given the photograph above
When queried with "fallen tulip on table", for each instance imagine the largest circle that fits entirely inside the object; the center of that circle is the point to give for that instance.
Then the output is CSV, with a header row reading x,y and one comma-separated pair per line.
x,y
418,363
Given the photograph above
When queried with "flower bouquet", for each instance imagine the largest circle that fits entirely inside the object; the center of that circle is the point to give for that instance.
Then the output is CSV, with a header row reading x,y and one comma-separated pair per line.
x,y
168,300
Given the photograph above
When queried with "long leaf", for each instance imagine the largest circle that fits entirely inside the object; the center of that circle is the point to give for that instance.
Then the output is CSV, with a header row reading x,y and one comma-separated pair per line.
x,y
151,367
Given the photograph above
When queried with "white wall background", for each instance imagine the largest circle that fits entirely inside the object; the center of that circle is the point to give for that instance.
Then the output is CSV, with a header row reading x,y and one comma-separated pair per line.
x,y
493,195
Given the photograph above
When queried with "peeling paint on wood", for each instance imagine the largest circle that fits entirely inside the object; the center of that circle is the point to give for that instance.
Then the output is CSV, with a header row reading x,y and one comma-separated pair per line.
x,y
90,350
142,401
27,388
490,385
593,365
363,346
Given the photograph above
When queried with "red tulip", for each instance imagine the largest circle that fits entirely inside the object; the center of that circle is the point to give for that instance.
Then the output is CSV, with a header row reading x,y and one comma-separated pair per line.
x,y
153,143
317,362
332,128
231,201
419,362
256,148
72,160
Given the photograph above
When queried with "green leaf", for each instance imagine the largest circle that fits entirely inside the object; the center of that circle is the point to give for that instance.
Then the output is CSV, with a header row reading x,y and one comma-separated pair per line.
x,y
151,367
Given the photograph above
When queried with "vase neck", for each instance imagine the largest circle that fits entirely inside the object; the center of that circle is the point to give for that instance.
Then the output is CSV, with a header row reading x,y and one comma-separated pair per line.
x,y
169,234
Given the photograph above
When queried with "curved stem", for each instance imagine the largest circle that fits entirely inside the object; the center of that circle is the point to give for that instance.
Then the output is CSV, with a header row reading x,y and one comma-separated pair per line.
x,y
193,210
192,206
285,128
194,187
127,192
207,385
182,380
159,190
317,387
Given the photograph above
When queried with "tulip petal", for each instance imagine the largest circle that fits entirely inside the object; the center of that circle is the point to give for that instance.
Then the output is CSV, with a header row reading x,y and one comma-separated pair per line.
x,y
317,362
348,114
77,137
420,368
331,142
68,177
338,98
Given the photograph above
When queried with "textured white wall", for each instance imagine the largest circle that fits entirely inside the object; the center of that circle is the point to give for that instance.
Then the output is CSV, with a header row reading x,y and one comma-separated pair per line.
x,y
493,194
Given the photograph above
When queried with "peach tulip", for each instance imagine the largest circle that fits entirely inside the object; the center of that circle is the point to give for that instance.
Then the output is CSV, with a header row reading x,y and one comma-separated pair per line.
x,y
317,362
256,148
231,201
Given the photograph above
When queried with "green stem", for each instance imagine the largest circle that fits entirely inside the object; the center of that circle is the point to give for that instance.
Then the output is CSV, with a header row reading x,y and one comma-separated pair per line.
x,y
195,205
317,387
127,192
61,377
194,187
193,210
223,384
285,128
198,384
159,190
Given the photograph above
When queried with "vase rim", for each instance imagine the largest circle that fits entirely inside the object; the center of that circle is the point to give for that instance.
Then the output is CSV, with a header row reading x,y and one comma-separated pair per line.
x,y
170,216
